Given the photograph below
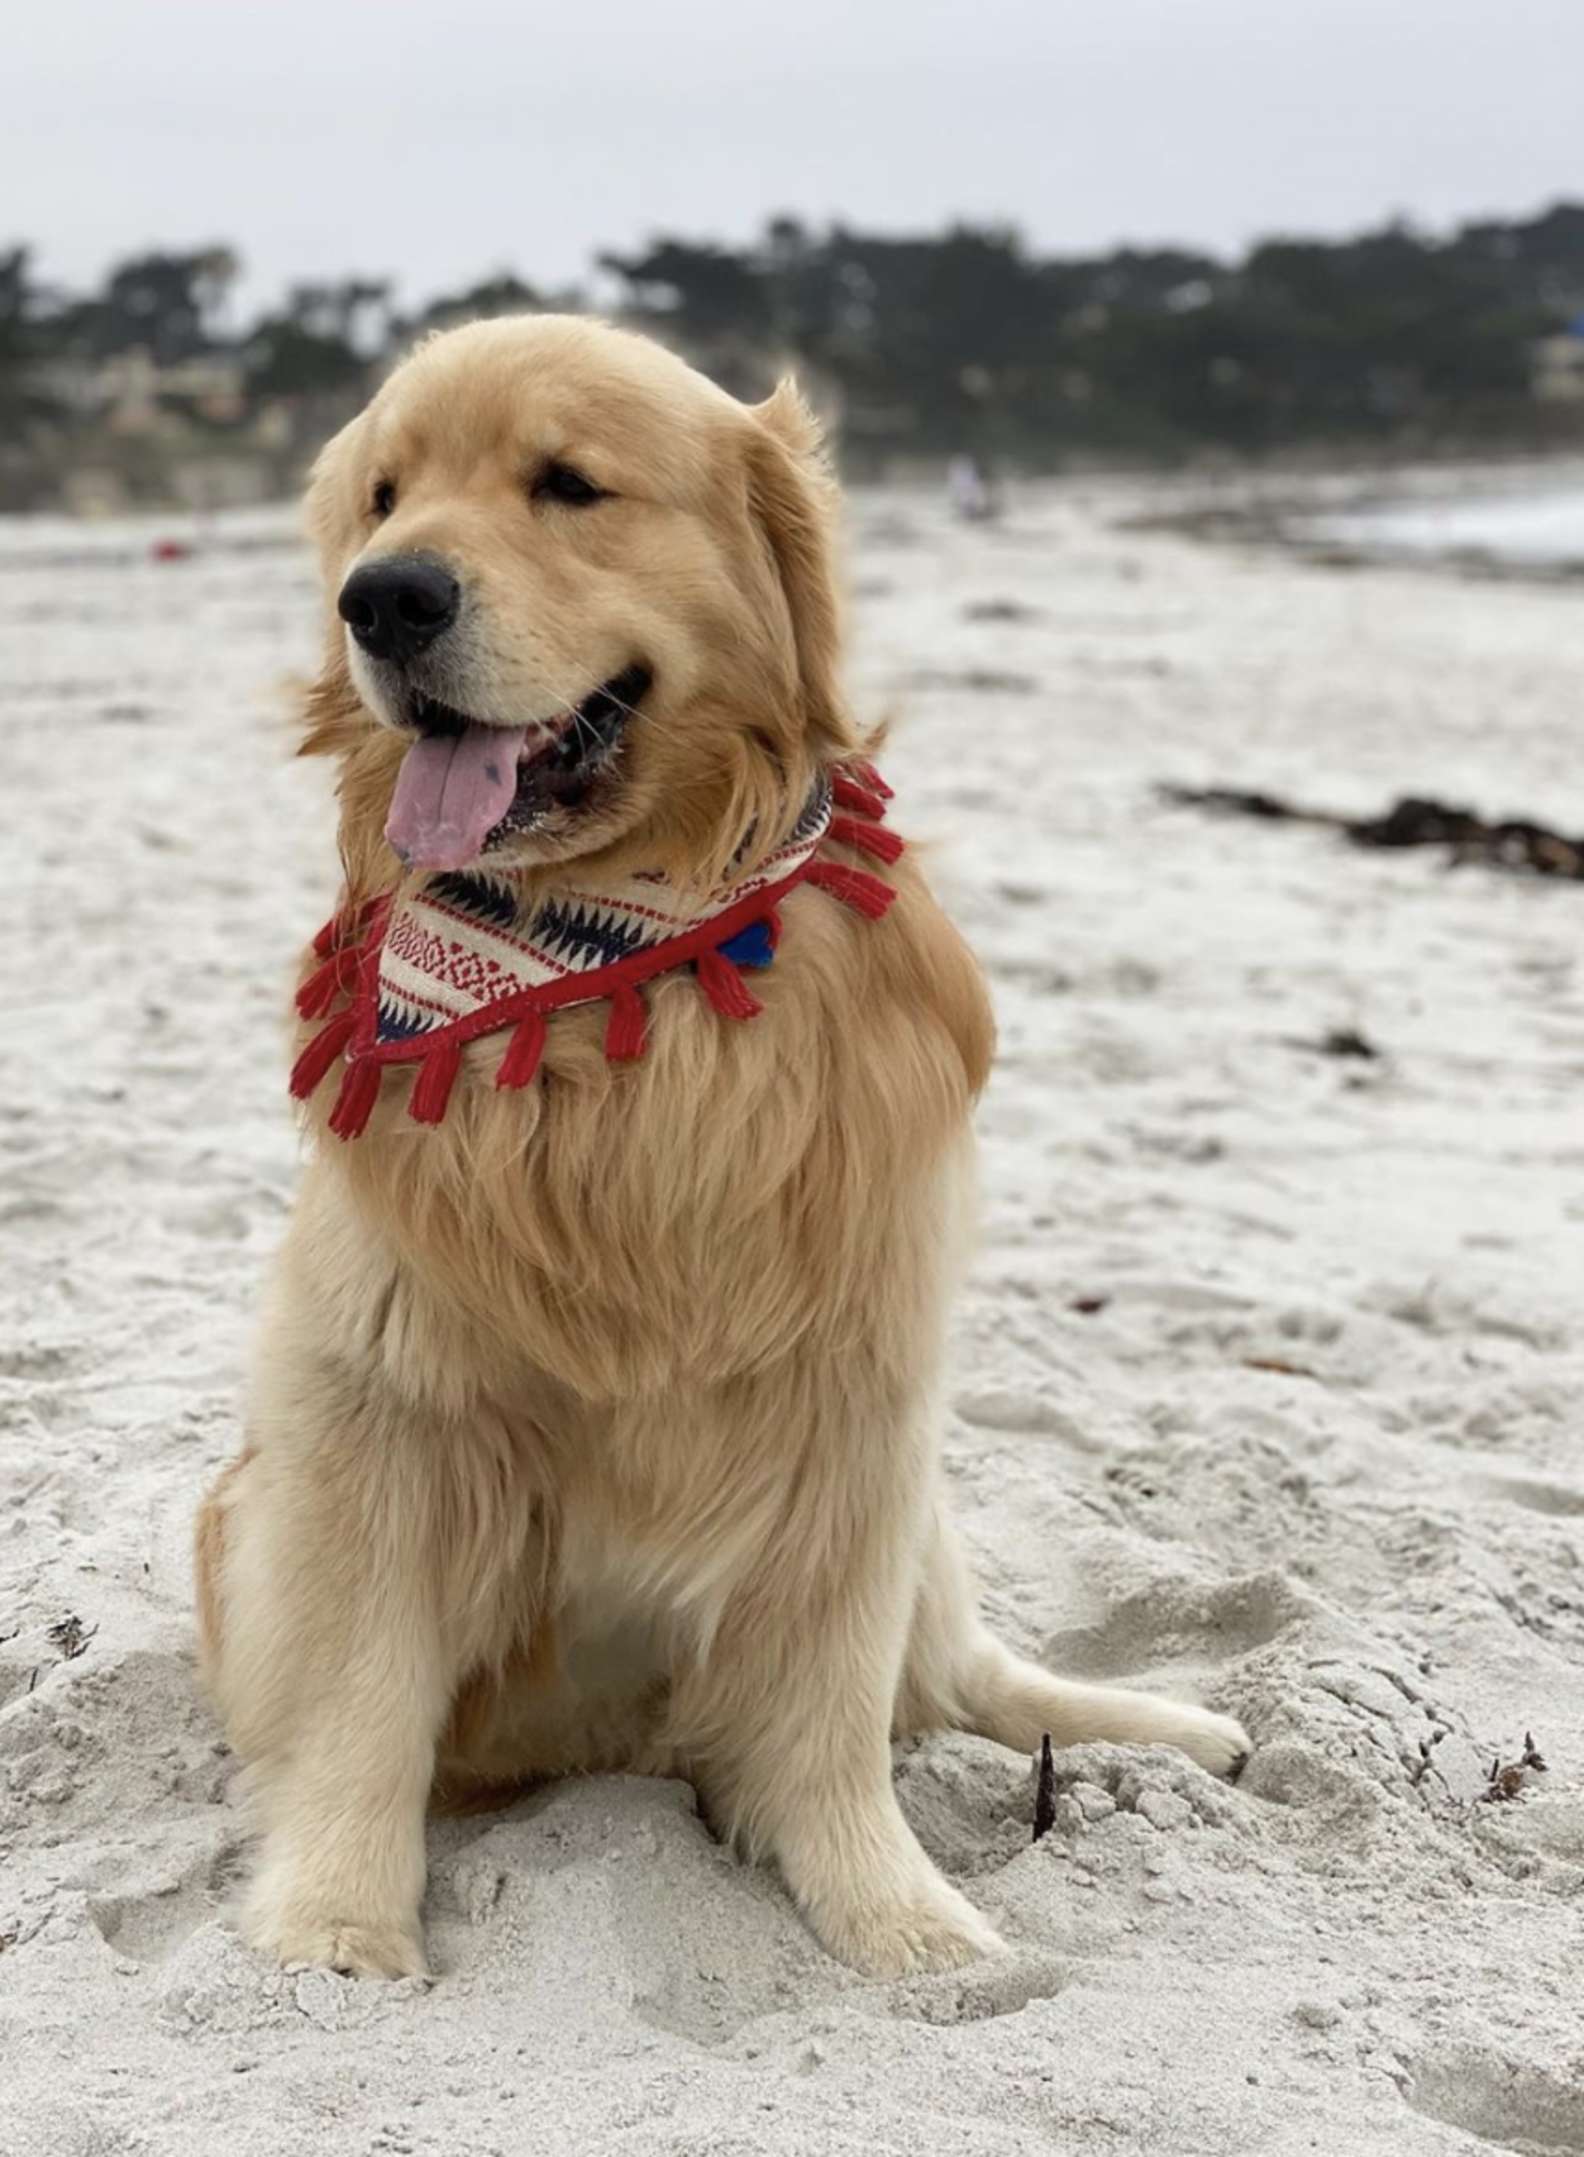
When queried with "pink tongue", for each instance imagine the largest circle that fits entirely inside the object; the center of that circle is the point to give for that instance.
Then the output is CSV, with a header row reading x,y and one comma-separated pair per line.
x,y
451,791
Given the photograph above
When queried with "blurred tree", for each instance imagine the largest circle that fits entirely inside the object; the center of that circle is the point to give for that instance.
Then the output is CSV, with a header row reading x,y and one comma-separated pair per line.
x,y
323,340
356,312
697,290
19,309
502,294
168,305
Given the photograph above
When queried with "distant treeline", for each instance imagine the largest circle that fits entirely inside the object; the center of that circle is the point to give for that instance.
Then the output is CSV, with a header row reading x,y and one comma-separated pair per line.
x,y
968,338
962,339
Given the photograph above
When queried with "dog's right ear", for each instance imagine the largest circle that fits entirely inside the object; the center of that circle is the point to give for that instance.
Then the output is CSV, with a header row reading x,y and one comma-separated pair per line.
x,y
334,719
330,489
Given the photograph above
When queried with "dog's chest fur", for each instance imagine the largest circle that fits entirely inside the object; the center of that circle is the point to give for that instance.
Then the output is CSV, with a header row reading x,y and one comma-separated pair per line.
x,y
704,1212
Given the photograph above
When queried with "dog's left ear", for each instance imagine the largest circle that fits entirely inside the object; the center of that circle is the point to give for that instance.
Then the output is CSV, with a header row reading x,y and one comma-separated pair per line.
x,y
792,496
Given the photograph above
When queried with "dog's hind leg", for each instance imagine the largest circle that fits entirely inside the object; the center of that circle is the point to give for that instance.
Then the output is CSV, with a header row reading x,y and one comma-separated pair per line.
x,y
958,1676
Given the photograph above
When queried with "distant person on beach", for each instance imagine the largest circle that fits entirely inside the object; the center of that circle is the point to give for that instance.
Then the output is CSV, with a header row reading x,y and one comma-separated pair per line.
x,y
969,491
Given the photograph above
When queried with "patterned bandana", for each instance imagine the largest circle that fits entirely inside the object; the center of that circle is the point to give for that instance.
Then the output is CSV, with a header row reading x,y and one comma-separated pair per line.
x,y
452,959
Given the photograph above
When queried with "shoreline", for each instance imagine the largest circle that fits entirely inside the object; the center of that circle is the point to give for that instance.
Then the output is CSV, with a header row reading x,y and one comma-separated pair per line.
x,y
1342,519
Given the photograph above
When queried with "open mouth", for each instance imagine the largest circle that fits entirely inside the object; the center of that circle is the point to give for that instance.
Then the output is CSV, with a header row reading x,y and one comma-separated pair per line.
x,y
466,783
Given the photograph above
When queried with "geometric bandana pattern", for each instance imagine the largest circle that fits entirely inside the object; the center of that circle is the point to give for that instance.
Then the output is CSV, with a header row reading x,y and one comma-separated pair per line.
x,y
456,943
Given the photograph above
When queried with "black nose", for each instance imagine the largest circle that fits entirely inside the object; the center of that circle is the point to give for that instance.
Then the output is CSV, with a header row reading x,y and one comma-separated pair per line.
x,y
395,607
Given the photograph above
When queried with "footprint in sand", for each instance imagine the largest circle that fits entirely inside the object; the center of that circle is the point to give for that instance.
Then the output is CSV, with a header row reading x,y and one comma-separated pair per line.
x,y
1507,2103
1179,1622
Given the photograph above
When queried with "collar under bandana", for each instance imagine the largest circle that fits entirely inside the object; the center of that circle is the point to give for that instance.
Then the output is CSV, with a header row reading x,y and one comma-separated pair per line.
x,y
427,972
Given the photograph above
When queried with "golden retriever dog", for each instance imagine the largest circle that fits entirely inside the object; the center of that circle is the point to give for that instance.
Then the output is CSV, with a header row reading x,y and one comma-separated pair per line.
x,y
594,1422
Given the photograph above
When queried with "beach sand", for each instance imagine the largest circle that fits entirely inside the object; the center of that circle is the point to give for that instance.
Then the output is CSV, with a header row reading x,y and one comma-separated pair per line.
x,y
1267,1389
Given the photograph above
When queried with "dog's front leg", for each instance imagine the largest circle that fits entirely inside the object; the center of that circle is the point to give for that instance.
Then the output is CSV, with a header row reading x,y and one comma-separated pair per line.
x,y
787,1717
330,1672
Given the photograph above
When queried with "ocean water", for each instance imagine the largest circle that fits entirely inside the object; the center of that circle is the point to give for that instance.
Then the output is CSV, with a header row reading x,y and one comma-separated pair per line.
x,y
1540,527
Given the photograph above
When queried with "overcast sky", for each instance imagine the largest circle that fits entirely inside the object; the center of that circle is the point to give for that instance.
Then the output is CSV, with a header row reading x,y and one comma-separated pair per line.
x,y
437,140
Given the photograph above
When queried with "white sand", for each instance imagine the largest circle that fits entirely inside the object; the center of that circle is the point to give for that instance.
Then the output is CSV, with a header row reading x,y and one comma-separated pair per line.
x,y
1374,1552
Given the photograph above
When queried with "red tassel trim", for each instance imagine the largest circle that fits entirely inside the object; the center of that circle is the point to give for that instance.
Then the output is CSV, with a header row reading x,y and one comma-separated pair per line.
x,y
868,838
848,794
520,1064
725,987
854,887
354,1104
320,1053
436,1076
864,772
625,1036
343,928
320,990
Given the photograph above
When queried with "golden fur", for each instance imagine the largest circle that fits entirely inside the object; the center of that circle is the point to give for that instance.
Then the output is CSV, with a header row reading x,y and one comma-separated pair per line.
x,y
595,1426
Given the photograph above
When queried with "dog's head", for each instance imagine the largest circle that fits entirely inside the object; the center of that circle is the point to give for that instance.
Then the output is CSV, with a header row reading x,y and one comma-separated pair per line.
x,y
583,603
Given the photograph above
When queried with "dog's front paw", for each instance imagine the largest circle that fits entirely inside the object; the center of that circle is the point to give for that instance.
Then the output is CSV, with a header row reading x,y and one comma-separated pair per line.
x,y
1217,1742
356,1947
930,1928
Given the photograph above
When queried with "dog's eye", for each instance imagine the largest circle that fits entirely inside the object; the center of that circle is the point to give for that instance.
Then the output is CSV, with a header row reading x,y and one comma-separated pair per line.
x,y
564,483
383,499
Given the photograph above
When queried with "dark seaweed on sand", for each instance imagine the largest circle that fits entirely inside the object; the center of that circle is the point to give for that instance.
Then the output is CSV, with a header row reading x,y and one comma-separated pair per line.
x,y
1512,843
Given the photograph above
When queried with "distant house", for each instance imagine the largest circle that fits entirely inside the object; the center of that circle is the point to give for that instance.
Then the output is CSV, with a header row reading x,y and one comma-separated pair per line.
x,y
125,430
130,393
1557,364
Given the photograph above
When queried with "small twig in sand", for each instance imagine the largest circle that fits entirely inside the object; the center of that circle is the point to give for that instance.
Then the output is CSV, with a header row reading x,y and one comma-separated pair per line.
x,y
1045,1791
1510,1780
71,1636
1427,1764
